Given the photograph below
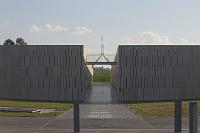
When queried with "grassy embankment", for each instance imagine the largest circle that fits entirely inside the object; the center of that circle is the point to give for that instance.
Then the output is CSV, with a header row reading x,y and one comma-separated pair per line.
x,y
102,76
59,107
164,109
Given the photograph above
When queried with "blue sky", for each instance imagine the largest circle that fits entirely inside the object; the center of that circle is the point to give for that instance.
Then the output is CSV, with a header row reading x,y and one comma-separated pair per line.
x,y
85,21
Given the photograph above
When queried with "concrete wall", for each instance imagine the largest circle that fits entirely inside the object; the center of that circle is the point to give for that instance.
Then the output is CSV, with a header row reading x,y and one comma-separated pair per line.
x,y
115,72
41,72
157,72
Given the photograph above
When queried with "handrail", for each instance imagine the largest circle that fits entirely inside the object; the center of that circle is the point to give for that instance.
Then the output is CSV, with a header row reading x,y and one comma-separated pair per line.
x,y
101,63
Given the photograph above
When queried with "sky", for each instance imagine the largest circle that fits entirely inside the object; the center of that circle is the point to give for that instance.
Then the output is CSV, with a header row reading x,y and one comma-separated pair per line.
x,y
85,21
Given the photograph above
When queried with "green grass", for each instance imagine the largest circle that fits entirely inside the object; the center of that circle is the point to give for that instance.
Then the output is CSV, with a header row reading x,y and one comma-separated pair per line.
x,y
165,109
29,114
59,107
102,76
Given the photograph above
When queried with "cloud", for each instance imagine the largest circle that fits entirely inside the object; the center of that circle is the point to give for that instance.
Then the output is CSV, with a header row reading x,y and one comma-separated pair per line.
x,y
154,38
56,28
82,30
146,37
79,30
35,29
150,37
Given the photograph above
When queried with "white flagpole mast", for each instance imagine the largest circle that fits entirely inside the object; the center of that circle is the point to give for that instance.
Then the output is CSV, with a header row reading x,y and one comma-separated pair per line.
x,y
102,51
102,46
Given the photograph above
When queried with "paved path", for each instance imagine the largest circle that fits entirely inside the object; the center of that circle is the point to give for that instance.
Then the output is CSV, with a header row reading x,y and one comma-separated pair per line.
x,y
101,93
101,116
100,110
61,125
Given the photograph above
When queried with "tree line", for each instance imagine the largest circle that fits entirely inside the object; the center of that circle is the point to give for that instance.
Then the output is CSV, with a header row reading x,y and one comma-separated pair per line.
x,y
19,41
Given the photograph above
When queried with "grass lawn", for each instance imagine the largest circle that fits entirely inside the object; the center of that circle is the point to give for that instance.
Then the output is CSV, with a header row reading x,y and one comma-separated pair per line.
x,y
59,107
165,109
102,76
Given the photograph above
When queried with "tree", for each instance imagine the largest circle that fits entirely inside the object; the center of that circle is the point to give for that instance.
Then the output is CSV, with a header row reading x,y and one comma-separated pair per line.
x,y
8,42
20,41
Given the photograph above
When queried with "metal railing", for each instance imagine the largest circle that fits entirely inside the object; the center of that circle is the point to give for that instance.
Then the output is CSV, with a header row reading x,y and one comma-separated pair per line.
x,y
100,59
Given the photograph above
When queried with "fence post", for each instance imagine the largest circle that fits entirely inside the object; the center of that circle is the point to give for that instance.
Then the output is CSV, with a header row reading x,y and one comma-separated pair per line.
x,y
76,117
193,128
178,116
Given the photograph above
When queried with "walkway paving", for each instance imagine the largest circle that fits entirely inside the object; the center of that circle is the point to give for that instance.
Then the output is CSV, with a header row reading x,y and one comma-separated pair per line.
x,y
100,110
101,116
101,93
99,124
